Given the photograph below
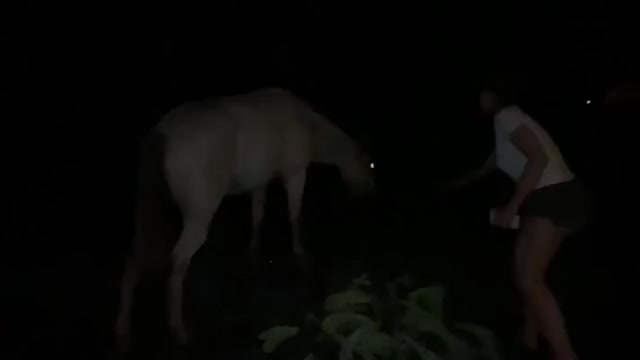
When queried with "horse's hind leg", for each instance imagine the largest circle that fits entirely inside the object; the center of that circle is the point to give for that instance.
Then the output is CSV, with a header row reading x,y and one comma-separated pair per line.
x,y
193,236
258,200
128,283
198,196
152,220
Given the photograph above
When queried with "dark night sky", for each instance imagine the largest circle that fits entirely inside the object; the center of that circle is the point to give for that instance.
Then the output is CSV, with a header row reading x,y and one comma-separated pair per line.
x,y
133,63
83,82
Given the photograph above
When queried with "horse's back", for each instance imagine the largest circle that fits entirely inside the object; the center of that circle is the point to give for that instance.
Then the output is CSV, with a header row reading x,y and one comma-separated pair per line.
x,y
272,131
192,119
216,114
271,128
198,134
274,107
255,136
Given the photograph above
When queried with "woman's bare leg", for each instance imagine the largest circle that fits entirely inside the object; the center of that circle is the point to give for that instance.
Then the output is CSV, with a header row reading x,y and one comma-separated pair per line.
x,y
537,244
530,330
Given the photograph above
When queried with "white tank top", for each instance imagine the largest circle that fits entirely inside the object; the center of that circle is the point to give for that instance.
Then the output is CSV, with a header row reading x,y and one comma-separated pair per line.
x,y
511,161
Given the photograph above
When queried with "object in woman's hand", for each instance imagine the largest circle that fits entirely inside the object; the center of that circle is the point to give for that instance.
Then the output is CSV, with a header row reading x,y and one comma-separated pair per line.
x,y
515,223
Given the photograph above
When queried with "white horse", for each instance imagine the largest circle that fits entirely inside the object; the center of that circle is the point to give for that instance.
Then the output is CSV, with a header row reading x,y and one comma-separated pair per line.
x,y
201,152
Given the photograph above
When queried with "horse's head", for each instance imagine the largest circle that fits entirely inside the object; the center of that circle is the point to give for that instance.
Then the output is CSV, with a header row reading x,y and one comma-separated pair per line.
x,y
356,168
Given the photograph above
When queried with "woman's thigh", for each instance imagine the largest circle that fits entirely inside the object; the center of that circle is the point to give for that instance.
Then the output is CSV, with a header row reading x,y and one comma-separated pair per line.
x,y
537,244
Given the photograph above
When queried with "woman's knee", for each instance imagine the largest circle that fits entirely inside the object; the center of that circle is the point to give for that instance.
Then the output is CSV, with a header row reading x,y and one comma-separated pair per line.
x,y
536,247
530,281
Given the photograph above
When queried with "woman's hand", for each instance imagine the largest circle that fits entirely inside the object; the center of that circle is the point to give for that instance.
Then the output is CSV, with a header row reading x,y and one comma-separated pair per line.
x,y
487,167
504,216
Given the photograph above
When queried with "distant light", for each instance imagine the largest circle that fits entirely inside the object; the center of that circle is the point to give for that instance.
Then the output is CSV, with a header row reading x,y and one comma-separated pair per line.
x,y
270,261
372,165
588,102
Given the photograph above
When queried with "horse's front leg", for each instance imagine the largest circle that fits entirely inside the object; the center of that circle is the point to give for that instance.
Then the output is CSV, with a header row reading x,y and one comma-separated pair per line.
x,y
294,185
258,200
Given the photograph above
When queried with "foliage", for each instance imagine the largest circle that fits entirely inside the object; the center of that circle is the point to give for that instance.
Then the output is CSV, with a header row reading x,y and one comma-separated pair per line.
x,y
275,336
363,326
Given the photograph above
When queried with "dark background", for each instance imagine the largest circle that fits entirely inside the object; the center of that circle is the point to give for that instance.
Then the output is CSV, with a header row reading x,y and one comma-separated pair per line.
x,y
82,82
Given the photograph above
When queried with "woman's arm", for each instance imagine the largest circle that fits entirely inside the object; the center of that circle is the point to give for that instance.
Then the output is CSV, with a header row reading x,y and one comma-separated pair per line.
x,y
527,142
487,167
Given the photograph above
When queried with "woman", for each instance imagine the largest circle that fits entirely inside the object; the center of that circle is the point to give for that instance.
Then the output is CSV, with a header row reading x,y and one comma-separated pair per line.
x,y
552,204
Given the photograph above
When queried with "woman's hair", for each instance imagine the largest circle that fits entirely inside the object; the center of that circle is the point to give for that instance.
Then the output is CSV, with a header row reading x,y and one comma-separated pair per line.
x,y
503,87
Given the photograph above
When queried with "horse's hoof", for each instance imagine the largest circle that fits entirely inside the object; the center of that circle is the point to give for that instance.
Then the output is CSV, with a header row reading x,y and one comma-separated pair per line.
x,y
304,263
123,344
253,255
180,336
182,341
122,338
179,353
253,263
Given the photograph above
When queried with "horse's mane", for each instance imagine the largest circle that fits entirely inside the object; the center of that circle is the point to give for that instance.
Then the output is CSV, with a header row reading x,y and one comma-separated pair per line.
x,y
328,140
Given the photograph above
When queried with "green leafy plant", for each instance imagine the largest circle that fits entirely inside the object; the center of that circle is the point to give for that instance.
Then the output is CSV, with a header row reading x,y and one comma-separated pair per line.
x,y
275,336
359,325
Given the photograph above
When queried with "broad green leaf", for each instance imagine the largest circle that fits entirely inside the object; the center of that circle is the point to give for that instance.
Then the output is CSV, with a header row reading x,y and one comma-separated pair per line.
x,y
349,347
429,299
406,280
345,323
423,353
275,336
346,301
361,281
404,352
416,321
489,347
370,342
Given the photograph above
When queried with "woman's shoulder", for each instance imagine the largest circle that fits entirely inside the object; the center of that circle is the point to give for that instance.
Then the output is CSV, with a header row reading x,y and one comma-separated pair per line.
x,y
511,111
510,118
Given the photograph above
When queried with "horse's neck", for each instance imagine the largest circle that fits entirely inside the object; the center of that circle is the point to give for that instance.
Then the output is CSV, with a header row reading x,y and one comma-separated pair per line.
x,y
329,142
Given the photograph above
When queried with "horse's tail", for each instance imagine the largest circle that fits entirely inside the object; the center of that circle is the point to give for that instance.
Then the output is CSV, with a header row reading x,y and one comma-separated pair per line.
x,y
156,217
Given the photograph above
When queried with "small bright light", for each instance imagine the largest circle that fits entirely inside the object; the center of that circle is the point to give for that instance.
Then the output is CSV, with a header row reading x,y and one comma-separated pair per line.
x,y
270,261
588,102
371,165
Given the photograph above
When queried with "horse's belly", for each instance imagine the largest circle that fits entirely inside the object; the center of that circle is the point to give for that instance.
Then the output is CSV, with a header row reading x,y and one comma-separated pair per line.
x,y
244,184
253,169
264,159
259,145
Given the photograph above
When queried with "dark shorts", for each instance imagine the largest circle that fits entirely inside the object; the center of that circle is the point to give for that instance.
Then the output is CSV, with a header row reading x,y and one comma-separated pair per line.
x,y
567,204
